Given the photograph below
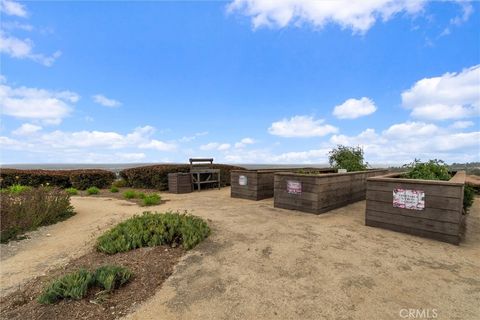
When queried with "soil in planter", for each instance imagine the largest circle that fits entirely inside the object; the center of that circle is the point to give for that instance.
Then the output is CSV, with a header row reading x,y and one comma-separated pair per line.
x,y
150,267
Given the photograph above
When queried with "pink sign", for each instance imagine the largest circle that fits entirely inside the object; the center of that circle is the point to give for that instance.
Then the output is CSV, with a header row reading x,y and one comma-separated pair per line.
x,y
294,187
409,199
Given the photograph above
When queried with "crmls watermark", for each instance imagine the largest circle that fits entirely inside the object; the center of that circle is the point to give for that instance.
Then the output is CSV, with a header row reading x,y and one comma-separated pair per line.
x,y
418,313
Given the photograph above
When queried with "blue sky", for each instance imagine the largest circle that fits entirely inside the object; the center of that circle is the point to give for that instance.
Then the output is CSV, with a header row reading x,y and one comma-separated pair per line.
x,y
247,81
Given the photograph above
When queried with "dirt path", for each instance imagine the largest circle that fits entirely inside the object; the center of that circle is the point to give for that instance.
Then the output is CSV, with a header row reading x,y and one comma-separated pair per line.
x,y
262,262
55,245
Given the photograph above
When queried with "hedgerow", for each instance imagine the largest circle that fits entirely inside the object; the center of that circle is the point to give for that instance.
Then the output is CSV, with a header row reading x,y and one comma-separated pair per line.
x,y
152,229
79,179
156,176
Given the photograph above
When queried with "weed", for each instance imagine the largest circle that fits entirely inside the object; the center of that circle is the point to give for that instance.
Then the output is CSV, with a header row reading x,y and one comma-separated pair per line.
x,y
71,191
130,194
120,183
151,199
152,229
93,190
17,188
114,189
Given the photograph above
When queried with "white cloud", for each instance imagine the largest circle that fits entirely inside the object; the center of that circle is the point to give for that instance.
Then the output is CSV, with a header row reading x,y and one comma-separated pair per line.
x,y
450,96
106,102
36,104
195,136
215,146
13,8
158,145
13,25
354,108
411,129
462,124
23,49
301,126
244,142
131,156
467,10
26,129
359,16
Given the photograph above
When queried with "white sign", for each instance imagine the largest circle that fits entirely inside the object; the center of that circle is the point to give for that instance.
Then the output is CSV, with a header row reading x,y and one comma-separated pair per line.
x,y
294,187
242,180
409,199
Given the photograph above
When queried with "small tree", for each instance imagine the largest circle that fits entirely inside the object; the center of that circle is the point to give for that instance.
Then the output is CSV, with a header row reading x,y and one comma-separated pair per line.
x,y
350,158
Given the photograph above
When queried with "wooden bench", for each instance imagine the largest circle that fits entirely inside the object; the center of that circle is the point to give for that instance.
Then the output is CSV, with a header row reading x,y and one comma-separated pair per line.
x,y
202,173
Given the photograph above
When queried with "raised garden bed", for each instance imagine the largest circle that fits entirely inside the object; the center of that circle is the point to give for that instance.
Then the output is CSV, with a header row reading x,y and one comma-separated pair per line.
x,y
426,208
322,192
258,184
179,182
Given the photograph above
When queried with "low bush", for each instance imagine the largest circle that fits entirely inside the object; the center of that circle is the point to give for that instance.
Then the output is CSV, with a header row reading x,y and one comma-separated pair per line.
x,y
71,191
111,277
114,189
151,199
156,177
350,158
80,179
93,190
75,285
129,194
71,286
431,170
34,207
119,183
152,229
17,188
437,170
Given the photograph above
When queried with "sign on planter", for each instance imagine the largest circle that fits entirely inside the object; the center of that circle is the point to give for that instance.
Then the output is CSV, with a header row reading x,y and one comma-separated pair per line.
x,y
242,180
409,199
294,187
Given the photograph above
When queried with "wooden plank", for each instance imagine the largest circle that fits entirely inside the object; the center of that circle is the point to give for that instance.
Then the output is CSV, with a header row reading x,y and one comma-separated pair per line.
x,y
431,201
451,191
414,222
453,239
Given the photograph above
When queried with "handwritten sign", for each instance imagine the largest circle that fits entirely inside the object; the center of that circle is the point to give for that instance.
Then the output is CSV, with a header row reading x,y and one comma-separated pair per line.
x,y
294,187
409,199
242,180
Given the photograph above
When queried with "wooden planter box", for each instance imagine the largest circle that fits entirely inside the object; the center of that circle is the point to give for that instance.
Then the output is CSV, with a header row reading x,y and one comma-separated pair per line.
x,y
396,204
179,182
257,184
321,193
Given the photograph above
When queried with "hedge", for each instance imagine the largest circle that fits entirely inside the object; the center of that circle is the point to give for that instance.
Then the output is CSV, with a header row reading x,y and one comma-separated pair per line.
x,y
79,179
156,176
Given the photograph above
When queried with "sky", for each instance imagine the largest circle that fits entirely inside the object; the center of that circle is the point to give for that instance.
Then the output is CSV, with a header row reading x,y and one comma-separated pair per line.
x,y
243,81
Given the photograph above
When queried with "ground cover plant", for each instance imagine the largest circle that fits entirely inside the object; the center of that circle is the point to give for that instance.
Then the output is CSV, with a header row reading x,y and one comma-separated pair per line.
x,y
153,229
156,177
350,158
75,285
151,199
17,188
130,194
33,207
437,170
114,189
80,179
93,190
71,191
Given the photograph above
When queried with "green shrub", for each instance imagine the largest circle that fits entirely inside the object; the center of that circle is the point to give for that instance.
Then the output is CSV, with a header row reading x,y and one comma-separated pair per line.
x,y
93,190
25,211
114,189
71,191
17,188
431,170
140,195
156,176
111,277
130,194
120,183
468,197
80,179
350,158
74,286
151,199
152,229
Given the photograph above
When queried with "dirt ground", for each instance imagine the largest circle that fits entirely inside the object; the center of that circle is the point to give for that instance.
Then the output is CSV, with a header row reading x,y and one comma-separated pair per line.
x,y
261,263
